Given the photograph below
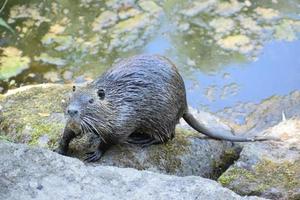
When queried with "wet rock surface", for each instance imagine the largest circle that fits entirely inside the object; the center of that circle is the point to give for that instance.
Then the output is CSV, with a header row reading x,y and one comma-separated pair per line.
x,y
269,169
34,115
34,173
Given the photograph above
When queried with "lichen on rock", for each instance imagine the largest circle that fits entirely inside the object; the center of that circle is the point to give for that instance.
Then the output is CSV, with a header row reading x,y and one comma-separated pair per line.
x,y
33,113
270,169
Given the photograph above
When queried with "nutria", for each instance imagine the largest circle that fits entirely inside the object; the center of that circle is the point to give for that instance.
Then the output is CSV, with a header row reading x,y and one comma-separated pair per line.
x,y
139,96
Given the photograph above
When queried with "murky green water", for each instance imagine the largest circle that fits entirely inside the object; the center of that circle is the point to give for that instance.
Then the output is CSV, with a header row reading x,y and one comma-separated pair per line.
x,y
227,51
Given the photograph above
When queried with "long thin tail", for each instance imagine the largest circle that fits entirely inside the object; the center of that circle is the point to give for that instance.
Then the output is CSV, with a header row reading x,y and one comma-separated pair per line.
x,y
189,118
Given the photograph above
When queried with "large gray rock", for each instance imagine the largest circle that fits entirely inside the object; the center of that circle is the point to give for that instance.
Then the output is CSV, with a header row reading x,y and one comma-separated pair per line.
x,y
35,173
34,115
269,169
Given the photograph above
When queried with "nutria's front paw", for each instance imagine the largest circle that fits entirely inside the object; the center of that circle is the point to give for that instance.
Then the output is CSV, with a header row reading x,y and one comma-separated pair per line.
x,y
93,156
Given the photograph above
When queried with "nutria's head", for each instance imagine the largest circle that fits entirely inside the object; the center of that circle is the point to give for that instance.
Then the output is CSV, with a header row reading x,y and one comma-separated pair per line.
x,y
88,110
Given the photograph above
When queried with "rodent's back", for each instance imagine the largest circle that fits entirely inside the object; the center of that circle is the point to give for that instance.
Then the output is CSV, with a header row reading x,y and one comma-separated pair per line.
x,y
145,90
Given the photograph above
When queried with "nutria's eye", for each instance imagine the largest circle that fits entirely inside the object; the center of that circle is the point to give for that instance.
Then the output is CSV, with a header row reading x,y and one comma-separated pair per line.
x,y
74,88
101,93
91,101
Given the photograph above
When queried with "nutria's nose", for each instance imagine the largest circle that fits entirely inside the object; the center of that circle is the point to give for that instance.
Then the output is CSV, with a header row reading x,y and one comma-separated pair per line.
x,y
72,112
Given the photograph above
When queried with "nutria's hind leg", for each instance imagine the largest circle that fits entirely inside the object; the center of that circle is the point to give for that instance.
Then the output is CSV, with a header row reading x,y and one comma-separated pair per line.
x,y
138,138
142,139
98,153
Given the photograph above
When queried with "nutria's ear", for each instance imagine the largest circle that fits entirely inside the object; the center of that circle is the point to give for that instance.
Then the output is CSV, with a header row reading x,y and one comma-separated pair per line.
x,y
73,88
101,94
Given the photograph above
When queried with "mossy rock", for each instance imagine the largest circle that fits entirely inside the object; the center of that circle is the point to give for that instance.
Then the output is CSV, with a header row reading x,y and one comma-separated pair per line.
x,y
269,169
267,178
34,115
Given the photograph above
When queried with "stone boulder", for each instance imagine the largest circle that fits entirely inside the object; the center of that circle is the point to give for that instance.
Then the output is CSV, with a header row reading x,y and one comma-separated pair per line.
x,y
35,173
269,169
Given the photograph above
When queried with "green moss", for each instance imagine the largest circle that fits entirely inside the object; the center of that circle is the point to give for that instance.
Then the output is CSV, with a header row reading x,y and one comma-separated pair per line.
x,y
264,176
285,174
4,137
167,155
234,173
227,159
29,114
51,130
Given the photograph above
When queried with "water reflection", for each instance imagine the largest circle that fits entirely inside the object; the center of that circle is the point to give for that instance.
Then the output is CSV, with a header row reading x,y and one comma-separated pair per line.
x,y
276,71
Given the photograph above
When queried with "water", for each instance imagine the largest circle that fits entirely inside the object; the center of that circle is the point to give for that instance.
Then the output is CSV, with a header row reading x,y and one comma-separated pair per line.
x,y
226,51
276,72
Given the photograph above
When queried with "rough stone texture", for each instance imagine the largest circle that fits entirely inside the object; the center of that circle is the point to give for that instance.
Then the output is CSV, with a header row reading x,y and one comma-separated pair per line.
x,y
185,155
34,115
34,173
270,169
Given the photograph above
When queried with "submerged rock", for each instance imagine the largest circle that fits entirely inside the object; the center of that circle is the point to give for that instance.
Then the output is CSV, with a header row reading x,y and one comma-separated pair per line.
x,y
34,115
269,169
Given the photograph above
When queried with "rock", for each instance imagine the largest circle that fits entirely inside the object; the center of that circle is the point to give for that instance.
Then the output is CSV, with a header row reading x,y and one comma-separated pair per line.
x,y
269,169
39,120
267,113
31,112
35,173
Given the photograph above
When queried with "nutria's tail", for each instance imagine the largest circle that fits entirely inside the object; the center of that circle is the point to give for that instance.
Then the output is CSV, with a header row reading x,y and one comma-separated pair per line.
x,y
189,118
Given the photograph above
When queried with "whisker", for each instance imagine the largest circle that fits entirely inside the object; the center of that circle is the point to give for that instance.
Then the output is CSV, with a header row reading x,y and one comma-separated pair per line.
x,y
92,128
